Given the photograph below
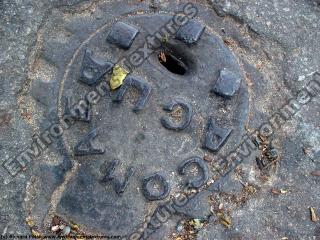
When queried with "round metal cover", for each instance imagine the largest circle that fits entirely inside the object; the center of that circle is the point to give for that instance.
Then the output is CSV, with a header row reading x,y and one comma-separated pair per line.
x,y
127,151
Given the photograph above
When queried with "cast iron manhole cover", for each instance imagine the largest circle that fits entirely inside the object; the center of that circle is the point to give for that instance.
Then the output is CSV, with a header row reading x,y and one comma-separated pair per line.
x,y
143,142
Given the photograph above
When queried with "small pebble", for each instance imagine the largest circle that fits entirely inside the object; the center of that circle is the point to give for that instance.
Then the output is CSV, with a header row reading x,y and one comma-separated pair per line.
x,y
221,206
179,228
316,173
55,228
66,231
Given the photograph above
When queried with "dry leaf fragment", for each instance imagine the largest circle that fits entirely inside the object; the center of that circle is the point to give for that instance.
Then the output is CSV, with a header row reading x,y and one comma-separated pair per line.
x,y
165,38
279,191
275,191
313,214
224,220
118,76
30,222
75,227
35,233
284,191
250,189
196,223
163,57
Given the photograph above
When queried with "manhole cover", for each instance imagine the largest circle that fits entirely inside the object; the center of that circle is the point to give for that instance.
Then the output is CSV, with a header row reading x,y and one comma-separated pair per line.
x,y
133,148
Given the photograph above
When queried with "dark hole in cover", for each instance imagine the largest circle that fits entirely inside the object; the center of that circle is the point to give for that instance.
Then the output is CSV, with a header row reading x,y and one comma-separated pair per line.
x,y
172,63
